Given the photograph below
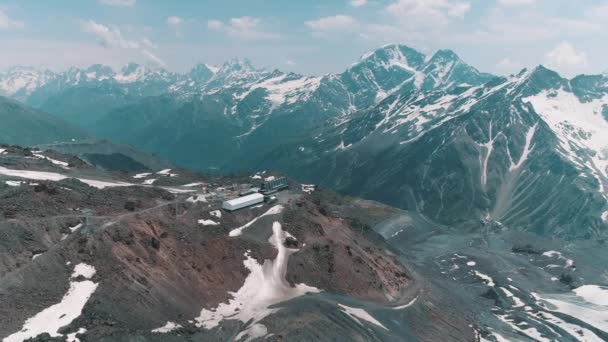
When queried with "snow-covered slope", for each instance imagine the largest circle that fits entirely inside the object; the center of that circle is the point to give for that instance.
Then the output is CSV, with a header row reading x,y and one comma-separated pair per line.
x,y
527,151
20,82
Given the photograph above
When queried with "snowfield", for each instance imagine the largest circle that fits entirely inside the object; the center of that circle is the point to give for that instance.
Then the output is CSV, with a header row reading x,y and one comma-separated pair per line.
x,y
588,303
51,319
277,209
360,314
264,287
55,177
581,128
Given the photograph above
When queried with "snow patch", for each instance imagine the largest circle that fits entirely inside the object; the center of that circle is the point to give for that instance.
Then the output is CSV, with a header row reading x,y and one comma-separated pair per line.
x,y
142,175
401,307
308,188
526,151
72,336
254,331
169,327
277,209
593,294
167,172
190,185
588,304
76,227
487,279
356,314
82,269
580,127
518,302
264,287
51,319
208,222
54,161
14,183
216,213
55,177
196,199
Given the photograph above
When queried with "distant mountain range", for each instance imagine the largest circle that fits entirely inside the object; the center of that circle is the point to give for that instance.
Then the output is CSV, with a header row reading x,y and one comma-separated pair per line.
x,y
425,133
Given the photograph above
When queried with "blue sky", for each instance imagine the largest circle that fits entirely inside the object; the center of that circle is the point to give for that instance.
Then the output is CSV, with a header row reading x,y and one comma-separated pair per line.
x,y
310,37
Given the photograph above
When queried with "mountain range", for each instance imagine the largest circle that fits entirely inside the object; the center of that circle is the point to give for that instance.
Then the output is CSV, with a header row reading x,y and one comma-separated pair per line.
x,y
469,206
425,133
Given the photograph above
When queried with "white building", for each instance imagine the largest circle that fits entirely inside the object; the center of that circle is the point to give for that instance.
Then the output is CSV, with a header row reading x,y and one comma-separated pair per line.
x,y
242,202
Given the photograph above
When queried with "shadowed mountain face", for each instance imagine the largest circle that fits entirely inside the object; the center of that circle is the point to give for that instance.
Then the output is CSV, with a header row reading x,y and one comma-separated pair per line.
x,y
27,126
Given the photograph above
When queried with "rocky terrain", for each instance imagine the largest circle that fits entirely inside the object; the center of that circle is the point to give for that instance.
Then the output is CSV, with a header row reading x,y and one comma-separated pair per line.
x,y
95,255
91,257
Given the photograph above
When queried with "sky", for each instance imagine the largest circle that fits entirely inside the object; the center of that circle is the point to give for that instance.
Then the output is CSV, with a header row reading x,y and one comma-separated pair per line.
x,y
305,36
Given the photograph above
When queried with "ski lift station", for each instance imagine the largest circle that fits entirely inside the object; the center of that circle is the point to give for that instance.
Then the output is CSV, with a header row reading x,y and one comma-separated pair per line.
x,y
242,202
274,185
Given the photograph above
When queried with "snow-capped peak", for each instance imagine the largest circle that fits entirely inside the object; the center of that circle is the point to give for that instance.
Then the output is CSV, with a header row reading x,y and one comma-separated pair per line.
x,y
19,82
236,65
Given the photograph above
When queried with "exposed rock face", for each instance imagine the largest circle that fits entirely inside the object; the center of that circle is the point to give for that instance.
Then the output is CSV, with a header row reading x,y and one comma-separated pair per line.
x,y
154,262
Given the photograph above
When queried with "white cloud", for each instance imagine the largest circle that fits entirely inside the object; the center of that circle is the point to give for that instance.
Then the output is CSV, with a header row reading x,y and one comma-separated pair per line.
x,y
508,66
112,38
358,3
515,3
336,23
290,62
175,24
565,57
174,20
118,3
215,25
427,13
108,37
6,23
244,28
147,43
148,55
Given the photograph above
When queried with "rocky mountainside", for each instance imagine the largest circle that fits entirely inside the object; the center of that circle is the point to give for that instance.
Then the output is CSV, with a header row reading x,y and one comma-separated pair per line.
x,y
425,133
27,126
243,113
528,152
113,256
152,256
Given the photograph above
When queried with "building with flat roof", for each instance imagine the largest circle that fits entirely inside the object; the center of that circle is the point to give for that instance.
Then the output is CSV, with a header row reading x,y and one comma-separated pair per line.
x,y
242,202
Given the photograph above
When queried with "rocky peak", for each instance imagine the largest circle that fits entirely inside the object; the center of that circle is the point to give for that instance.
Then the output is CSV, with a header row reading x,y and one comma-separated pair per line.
x,y
393,55
200,73
237,65
541,78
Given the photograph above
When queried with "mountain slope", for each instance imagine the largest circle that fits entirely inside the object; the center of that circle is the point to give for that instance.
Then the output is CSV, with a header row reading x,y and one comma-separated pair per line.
x,y
262,109
151,262
113,256
525,152
24,125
